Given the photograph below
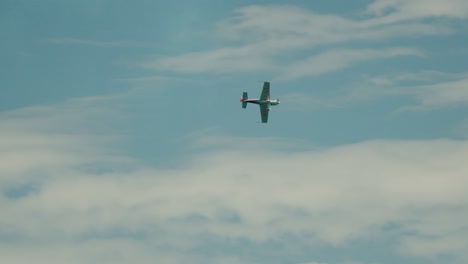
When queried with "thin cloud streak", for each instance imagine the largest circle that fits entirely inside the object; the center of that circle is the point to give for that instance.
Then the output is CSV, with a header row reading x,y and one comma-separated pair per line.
x,y
98,43
334,60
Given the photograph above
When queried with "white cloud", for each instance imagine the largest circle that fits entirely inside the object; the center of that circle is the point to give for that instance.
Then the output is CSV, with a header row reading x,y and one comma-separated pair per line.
x,y
244,59
330,196
449,244
90,208
400,10
263,38
115,251
337,59
288,27
431,89
97,43
156,78
420,77
42,139
453,93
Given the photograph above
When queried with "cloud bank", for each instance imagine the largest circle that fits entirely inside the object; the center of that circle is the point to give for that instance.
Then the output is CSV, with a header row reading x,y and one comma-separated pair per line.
x,y
74,193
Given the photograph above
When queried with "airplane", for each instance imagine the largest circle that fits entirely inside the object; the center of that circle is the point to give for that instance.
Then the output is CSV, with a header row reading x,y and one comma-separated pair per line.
x,y
264,102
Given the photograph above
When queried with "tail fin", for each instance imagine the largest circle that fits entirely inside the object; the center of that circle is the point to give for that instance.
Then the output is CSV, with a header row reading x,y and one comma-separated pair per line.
x,y
244,97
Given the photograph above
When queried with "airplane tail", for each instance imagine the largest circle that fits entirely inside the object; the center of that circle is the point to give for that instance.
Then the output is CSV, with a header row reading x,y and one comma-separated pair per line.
x,y
243,98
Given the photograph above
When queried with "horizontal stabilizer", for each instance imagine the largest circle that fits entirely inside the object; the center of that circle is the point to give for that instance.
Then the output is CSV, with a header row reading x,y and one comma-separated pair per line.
x,y
244,97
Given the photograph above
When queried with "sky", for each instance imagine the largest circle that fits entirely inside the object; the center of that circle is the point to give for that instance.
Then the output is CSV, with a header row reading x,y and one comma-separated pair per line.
x,y
122,139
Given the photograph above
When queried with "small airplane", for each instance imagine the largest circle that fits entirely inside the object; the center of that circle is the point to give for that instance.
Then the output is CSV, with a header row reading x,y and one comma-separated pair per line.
x,y
264,102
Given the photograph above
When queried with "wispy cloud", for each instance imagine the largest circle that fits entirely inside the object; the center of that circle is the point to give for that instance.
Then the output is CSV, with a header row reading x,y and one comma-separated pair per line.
x,y
154,78
444,94
452,243
337,59
431,89
98,43
401,10
420,77
262,38
38,139
237,59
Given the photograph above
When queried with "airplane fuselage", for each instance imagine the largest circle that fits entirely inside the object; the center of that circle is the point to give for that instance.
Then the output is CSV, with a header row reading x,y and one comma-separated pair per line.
x,y
261,102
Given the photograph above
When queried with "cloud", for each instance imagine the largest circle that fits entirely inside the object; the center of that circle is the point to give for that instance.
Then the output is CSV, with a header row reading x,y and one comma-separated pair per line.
x,y
401,10
66,186
38,140
97,43
293,27
337,59
116,251
438,235
274,38
242,59
420,77
431,89
322,197
157,78
453,93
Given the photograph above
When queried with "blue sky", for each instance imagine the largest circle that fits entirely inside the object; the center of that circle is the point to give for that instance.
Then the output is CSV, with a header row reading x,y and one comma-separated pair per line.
x,y
122,139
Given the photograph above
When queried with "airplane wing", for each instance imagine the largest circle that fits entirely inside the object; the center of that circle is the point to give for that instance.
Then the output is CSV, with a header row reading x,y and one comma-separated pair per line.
x,y
264,112
266,91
